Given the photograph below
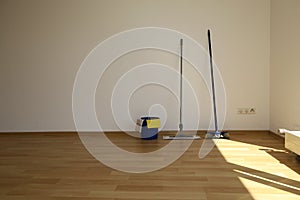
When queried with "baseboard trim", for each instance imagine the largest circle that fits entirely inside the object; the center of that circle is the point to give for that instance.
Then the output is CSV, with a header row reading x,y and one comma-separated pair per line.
x,y
110,131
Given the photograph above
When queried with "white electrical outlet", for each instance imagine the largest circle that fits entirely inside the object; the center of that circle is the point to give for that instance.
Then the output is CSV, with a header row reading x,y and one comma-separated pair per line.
x,y
246,111
240,111
252,110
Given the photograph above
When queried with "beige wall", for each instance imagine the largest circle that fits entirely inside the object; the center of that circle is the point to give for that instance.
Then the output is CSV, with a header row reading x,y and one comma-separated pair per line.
x,y
43,44
285,66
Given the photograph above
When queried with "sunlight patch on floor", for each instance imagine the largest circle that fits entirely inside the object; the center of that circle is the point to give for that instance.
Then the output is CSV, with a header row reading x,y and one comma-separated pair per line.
x,y
254,157
261,191
260,172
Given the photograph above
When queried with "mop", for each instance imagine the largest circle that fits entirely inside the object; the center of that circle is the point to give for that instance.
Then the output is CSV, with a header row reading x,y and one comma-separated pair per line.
x,y
180,135
216,133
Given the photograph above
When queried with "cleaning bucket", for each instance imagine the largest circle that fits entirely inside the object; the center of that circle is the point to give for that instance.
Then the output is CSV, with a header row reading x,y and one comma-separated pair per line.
x,y
150,127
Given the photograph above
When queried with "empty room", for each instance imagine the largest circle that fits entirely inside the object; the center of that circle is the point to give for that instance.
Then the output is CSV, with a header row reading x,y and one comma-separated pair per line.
x,y
149,99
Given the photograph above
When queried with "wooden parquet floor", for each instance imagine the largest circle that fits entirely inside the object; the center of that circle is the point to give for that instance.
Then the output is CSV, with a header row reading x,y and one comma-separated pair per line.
x,y
56,166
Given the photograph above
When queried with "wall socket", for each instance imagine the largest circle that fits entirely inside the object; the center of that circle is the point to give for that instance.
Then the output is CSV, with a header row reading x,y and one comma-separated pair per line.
x,y
246,111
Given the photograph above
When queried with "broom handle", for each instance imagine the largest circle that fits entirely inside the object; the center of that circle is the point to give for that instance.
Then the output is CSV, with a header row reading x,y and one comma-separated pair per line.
x,y
212,80
180,110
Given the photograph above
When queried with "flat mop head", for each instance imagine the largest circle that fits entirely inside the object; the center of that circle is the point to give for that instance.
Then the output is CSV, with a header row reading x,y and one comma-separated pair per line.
x,y
193,137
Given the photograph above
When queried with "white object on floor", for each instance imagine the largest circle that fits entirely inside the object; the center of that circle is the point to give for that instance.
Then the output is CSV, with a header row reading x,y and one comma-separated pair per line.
x,y
292,141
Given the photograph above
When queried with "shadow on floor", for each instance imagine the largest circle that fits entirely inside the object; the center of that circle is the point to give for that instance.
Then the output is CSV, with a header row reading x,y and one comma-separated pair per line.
x,y
273,145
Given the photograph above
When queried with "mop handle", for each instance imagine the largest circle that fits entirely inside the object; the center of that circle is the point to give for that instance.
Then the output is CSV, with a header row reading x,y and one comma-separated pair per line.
x,y
212,80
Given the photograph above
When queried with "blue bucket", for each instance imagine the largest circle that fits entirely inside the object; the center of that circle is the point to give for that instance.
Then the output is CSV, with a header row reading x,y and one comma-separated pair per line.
x,y
148,133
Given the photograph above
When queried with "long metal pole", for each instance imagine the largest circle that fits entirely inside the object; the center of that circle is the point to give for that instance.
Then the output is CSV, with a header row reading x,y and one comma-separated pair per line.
x,y
212,81
180,111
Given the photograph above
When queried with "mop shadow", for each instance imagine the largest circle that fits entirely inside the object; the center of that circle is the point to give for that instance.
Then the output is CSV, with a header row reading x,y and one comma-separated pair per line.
x,y
271,144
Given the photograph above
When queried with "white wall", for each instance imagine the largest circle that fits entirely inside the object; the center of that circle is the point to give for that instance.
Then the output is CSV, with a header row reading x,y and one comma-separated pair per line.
x,y
285,68
43,44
